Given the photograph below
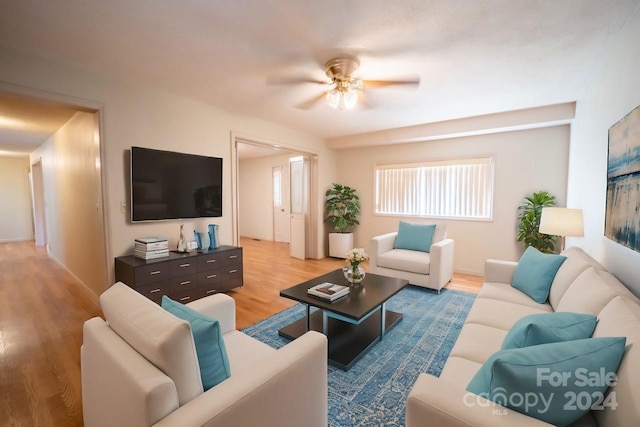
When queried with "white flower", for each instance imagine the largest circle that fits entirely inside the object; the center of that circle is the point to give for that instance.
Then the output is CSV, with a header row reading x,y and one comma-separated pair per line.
x,y
356,256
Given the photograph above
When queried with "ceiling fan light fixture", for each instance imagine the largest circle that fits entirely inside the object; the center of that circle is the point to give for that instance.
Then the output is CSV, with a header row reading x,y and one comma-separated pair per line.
x,y
350,98
333,98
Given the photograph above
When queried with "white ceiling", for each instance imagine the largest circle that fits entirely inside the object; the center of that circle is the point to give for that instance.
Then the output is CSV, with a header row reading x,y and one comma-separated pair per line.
x,y
473,56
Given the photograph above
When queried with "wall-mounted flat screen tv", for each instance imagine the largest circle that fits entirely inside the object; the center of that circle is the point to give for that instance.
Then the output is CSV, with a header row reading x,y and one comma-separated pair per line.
x,y
169,185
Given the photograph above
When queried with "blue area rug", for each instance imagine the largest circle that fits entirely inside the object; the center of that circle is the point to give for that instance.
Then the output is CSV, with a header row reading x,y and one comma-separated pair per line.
x,y
374,391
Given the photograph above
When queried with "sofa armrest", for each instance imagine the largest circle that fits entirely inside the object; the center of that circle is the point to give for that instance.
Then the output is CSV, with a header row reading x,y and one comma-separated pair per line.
x,y
220,307
435,402
498,271
286,389
441,263
379,245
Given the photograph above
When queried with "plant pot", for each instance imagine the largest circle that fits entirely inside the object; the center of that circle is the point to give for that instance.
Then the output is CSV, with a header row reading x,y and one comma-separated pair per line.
x,y
340,244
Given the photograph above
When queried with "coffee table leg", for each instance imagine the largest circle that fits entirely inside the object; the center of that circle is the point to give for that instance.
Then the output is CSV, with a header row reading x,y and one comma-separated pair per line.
x,y
325,327
308,317
383,319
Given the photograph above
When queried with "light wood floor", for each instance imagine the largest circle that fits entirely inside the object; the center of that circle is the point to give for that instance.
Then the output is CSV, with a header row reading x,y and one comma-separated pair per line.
x,y
42,309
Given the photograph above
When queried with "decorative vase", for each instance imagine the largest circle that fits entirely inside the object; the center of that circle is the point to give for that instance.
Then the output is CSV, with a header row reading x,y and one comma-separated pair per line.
x,y
354,274
213,236
182,244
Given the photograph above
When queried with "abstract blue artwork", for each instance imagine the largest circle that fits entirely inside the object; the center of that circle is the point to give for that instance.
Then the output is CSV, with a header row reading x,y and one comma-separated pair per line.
x,y
622,219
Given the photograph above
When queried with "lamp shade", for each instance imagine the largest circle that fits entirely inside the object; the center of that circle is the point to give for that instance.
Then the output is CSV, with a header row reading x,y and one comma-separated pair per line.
x,y
562,222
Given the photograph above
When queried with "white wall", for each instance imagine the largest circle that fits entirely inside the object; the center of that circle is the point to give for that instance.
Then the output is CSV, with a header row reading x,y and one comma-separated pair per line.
x,y
525,161
73,199
614,92
256,196
16,221
141,116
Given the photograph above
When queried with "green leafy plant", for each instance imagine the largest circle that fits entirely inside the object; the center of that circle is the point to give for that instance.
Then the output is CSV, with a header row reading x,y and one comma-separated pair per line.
x,y
529,214
342,207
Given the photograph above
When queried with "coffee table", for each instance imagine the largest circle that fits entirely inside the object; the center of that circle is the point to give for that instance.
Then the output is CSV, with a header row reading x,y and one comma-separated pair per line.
x,y
352,324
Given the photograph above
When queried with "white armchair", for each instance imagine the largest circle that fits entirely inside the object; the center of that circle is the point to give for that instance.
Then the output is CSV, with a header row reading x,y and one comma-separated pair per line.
x,y
432,269
139,369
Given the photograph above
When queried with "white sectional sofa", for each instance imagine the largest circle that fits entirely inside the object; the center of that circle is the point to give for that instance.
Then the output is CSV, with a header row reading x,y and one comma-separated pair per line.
x,y
140,369
581,285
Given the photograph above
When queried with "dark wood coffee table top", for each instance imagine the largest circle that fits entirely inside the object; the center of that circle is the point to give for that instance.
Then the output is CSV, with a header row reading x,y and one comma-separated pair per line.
x,y
362,299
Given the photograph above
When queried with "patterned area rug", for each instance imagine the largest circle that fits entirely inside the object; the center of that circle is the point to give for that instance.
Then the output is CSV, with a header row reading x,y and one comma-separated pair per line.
x,y
374,391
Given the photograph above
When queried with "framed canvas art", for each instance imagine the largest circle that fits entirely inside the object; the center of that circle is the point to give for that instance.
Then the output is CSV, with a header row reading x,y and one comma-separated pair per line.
x,y
622,219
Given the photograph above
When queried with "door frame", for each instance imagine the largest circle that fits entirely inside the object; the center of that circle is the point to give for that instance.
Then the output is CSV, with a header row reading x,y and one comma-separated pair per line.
x,y
239,138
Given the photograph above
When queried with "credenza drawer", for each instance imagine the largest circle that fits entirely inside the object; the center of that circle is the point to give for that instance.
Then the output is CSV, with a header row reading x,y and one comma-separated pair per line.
x,y
150,274
183,283
154,291
182,267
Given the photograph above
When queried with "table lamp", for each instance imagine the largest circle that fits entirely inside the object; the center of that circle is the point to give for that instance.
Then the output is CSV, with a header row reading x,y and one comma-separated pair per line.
x,y
562,222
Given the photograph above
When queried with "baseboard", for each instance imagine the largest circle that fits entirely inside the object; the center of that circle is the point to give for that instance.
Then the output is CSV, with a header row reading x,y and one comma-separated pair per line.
x,y
19,239
470,272
95,298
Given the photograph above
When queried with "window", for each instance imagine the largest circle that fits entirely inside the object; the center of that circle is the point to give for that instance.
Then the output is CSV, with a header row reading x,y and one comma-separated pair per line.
x,y
460,189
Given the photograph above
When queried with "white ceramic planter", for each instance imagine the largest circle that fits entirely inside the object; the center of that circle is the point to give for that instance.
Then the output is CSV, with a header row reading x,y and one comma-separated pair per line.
x,y
340,244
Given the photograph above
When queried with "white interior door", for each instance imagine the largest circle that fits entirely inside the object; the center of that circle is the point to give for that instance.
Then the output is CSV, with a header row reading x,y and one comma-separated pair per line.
x,y
299,178
37,194
281,204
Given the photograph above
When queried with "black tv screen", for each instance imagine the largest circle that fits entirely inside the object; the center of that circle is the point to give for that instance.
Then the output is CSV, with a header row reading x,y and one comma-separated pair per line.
x,y
169,185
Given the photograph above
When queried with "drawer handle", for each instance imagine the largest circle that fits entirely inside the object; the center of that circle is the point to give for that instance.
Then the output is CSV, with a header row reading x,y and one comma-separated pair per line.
x,y
233,256
211,291
185,265
184,298
153,291
155,272
210,261
233,271
186,282
211,276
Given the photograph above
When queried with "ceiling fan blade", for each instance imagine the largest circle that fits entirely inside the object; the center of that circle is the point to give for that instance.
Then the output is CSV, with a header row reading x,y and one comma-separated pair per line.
x,y
310,103
372,84
294,80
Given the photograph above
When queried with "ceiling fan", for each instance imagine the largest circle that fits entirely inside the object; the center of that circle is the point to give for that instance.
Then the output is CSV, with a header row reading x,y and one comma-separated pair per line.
x,y
344,86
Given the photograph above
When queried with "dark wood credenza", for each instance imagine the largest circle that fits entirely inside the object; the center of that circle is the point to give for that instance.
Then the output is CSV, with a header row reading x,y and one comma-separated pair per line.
x,y
183,277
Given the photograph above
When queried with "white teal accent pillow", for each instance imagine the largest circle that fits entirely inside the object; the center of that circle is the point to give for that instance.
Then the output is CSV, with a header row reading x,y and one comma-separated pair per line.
x,y
535,272
545,328
415,237
557,383
210,348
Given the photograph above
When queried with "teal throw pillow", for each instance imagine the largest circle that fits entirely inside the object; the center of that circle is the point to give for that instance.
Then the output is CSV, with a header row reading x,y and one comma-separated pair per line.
x,y
210,348
535,273
545,328
556,383
416,237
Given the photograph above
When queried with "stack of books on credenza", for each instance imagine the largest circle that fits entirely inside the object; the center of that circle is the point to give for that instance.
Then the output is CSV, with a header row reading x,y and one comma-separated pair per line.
x,y
151,248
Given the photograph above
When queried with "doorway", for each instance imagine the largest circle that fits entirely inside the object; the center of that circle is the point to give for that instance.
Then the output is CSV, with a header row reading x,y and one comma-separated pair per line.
x,y
37,195
253,162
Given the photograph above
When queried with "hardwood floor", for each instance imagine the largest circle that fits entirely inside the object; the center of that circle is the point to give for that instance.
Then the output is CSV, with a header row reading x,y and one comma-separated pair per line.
x,y
43,308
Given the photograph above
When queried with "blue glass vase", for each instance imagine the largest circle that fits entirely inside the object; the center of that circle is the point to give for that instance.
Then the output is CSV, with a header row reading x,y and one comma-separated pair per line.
x,y
213,236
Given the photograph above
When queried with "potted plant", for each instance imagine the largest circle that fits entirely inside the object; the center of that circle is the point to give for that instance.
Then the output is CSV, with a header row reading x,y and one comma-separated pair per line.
x,y
342,209
529,214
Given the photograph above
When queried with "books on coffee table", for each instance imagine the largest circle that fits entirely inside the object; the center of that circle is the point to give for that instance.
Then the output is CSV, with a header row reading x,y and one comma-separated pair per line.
x,y
328,291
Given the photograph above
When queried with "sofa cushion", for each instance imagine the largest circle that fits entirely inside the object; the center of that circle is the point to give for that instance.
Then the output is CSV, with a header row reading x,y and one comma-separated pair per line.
x,y
506,292
587,294
159,336
576,252
535,273
459,371
406,260
558,373
210,348
415,237
536,329
570,269
621,317
501,314
477,342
